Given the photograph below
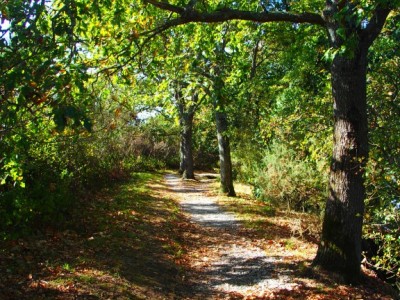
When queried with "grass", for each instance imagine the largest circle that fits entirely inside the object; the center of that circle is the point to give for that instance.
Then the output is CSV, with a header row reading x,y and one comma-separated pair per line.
x,y
124,243
279,232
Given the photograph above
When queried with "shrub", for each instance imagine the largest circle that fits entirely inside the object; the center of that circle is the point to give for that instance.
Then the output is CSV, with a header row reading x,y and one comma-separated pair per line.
x,y
285,180
382,218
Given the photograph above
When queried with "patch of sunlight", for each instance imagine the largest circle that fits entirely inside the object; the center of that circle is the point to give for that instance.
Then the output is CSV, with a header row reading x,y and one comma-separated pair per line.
x,y
244,189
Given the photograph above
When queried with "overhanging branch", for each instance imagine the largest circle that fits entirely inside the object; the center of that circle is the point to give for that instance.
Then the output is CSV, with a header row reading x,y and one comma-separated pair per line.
x,y
376,24
226,14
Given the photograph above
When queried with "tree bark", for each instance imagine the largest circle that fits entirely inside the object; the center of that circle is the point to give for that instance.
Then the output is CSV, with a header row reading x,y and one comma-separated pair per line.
x,y
186,167
340,245
224,154
181,154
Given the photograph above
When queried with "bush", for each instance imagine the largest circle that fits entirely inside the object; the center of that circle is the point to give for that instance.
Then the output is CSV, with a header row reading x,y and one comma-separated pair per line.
x,y
382,218
50,171
386,235
287,181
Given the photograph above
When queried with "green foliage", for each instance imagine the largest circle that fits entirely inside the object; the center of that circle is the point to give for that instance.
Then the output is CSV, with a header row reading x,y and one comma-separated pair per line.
x,y
383,183
289,181
383,227
41,73
38,78
283,144
45,193
205,148
48,170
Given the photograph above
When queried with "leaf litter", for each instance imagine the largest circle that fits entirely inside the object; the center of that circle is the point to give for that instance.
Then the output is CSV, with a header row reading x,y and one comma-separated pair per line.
x,y
164,238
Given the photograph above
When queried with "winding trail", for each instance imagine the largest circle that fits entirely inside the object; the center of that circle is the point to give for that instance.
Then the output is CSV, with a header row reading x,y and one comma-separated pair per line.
x,y
226,265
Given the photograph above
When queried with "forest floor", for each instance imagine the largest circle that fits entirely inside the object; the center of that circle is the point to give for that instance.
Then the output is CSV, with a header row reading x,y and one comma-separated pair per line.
x,y
158,237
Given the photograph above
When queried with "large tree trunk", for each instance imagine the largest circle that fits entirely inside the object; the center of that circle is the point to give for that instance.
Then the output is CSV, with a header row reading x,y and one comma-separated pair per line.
x,y
186,164
224,154
340,245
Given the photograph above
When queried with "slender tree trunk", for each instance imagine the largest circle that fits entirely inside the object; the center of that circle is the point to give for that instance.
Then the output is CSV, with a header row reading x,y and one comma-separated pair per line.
x,y
187,138
340,245
186,167
181,154
224,154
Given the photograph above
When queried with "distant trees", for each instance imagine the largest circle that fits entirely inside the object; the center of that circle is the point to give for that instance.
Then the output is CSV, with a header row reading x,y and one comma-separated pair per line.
x,y
215,66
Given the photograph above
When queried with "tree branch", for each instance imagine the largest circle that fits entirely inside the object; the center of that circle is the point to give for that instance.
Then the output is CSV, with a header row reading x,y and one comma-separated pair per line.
x,y
227,14
376,24
254,60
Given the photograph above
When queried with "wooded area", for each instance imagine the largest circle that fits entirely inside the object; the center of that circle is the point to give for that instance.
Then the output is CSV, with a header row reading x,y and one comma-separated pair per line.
x,y
299,99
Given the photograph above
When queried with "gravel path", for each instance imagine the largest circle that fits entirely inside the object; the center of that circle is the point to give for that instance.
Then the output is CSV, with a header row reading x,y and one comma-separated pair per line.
x,y
229,266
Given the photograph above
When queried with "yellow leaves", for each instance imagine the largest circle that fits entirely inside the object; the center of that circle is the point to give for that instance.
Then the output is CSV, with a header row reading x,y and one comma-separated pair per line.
x,y
104,32
13,171
112,126
134,34
186,67
388,178
117,112
140,22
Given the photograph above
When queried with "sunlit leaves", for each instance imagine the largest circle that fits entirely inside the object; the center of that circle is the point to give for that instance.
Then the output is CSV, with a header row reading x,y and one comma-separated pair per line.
x,y
12,172
41,71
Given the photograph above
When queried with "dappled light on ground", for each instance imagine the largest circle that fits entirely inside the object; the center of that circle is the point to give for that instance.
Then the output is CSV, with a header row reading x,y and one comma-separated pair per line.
x,y
251,252
156,238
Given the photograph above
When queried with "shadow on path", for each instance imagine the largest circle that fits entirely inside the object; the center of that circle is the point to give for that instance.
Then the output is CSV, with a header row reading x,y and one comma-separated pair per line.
x,y
229,262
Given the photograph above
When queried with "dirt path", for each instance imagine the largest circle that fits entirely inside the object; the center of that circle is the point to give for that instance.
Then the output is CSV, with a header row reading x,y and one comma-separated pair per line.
x,y
227,265
160,238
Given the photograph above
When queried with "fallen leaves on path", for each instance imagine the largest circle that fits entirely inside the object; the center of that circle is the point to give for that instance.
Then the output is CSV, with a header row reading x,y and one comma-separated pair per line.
x,y
288,240
122,243
132,241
